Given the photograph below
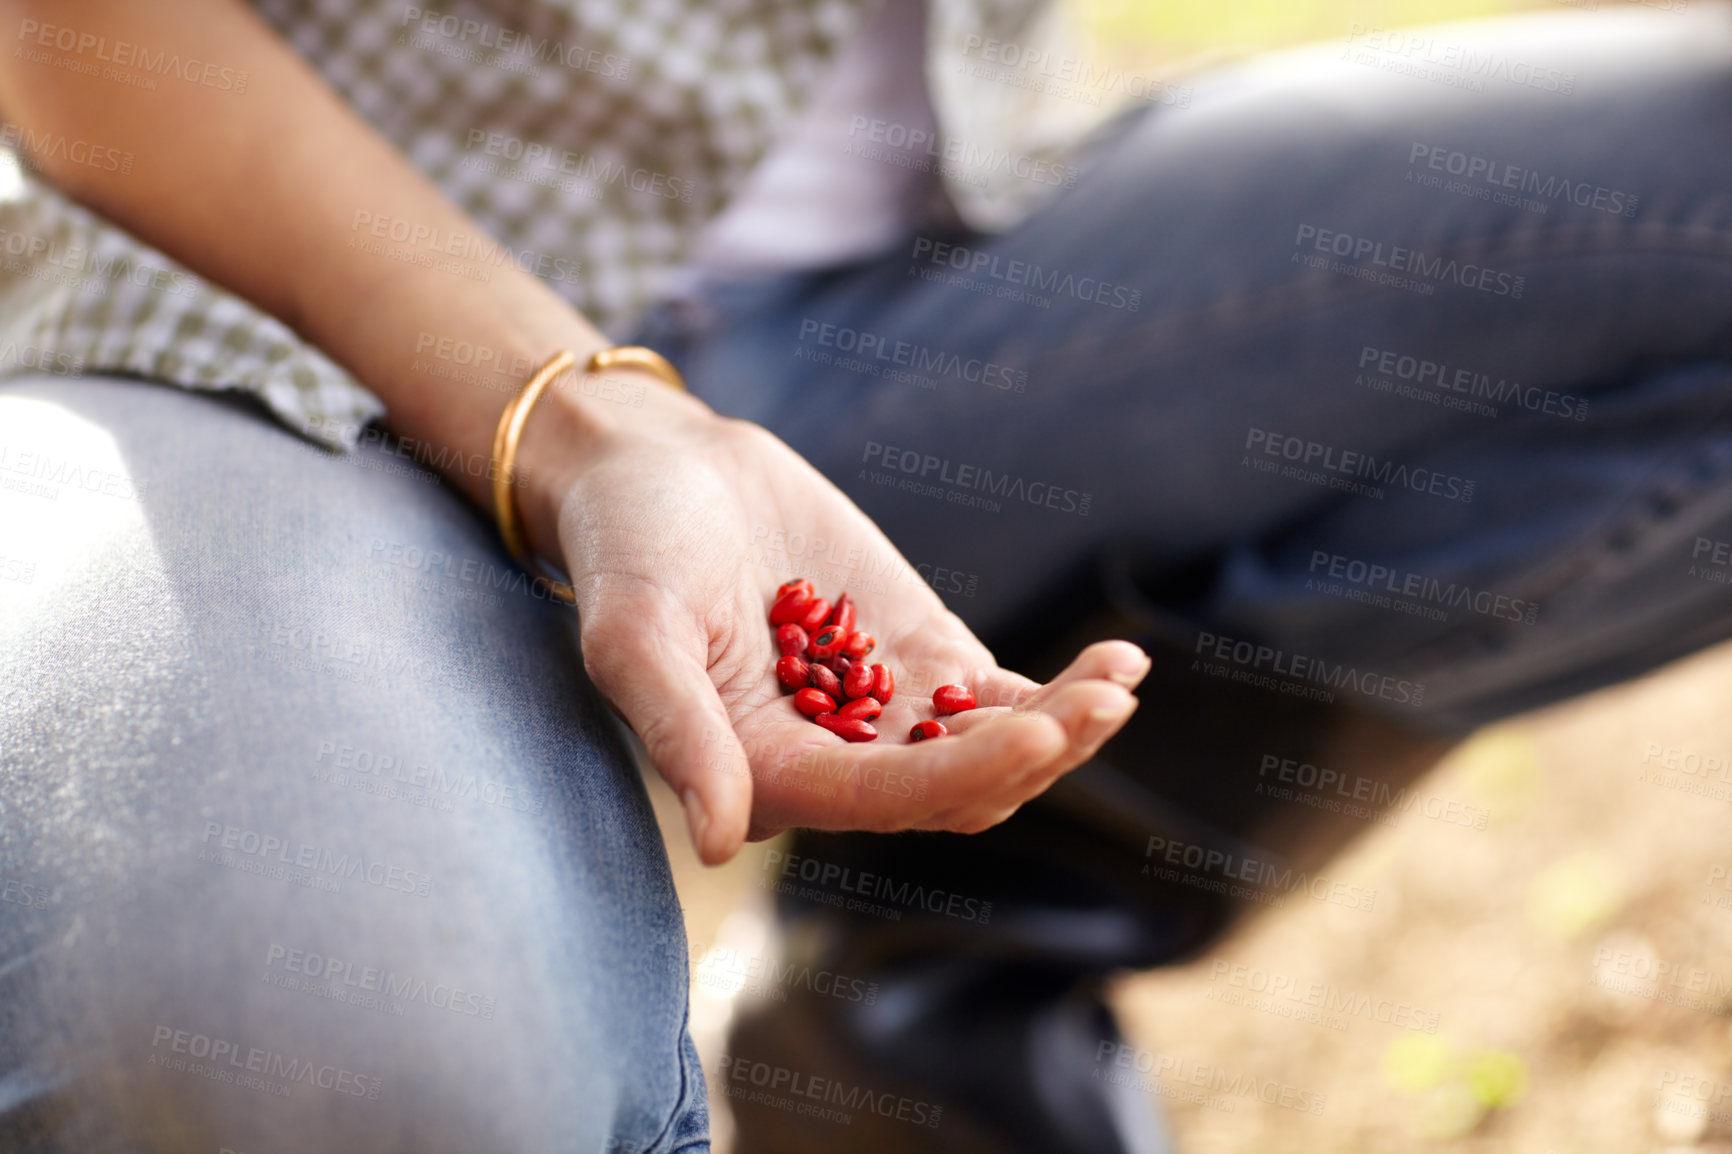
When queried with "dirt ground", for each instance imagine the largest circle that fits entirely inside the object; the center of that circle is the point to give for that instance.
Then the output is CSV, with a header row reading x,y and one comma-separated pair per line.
x,y
1546,966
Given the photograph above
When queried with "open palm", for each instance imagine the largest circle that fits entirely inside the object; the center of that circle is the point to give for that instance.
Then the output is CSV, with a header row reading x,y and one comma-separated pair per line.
x,y
657,535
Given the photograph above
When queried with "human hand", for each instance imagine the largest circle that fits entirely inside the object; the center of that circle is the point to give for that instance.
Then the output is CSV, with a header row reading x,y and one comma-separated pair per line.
x,y
654,525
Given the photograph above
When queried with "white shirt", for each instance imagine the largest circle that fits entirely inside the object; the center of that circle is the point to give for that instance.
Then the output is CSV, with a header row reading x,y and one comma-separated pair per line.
x,y
813,201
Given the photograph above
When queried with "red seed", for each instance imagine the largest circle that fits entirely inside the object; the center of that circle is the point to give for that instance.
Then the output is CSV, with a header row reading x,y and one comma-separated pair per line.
x,y
953,699
839,665
814,703
793,672
816,610
823,680
790,638
826,643
843,614
883,683
859,645
925,729
847,728
796,583
859,682
791,606
863,708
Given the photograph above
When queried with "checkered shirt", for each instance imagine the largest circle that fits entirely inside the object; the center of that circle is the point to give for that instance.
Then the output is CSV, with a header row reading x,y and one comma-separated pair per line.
x,y
593,139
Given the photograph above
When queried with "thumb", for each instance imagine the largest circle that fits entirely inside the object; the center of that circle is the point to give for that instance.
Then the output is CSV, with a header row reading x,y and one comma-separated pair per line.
x,y
651,665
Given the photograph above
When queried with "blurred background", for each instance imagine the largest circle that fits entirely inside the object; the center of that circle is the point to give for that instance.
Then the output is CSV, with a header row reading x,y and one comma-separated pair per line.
x,y
1553,974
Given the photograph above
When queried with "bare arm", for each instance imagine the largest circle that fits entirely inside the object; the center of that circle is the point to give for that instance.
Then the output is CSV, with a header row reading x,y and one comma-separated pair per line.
x,y
259,191
650,509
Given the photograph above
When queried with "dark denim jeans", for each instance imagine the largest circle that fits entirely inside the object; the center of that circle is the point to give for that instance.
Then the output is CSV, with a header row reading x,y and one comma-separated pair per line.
x,y
1429,366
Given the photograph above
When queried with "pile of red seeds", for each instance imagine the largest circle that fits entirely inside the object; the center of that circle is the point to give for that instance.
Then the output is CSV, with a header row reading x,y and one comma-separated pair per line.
x,y
823,664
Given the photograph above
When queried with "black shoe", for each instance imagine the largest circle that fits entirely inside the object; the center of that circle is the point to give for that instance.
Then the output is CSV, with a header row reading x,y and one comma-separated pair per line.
x,y
950,1056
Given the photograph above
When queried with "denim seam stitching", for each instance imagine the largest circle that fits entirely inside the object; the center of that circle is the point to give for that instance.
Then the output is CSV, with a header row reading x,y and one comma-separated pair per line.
x,y
682,1102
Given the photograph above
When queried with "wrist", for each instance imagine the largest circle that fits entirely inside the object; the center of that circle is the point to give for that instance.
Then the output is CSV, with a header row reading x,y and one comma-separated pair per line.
x,y
582,418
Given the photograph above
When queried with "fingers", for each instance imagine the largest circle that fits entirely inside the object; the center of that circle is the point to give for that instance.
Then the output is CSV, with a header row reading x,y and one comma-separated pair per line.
x,y
1086,712
995,758
958,779
1120,662
1089,712
652,668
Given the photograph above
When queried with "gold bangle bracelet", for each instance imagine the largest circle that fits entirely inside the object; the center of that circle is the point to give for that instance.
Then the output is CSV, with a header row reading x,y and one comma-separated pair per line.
x,y
510,431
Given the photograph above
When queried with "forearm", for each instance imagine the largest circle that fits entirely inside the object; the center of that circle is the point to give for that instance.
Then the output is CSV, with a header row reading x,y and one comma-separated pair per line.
x,y
274,193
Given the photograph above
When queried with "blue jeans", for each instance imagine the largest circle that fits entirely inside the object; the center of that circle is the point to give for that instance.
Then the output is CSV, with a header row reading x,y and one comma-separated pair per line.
x,y
315,835
315,838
